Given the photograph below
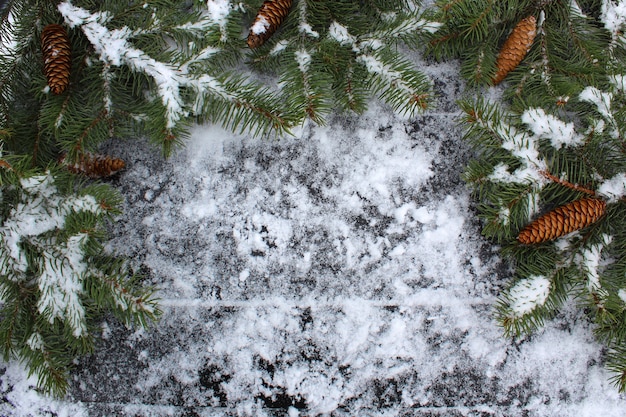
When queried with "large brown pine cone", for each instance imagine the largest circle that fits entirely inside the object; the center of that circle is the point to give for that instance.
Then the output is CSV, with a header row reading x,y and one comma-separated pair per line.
x,y
515,47
563,220
57,59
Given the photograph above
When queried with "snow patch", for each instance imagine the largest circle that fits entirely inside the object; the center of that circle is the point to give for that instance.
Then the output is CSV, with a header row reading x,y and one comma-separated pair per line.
x,y
528,294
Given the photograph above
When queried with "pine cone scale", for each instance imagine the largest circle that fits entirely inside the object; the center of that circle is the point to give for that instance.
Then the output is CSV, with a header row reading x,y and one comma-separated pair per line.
x,y
563,220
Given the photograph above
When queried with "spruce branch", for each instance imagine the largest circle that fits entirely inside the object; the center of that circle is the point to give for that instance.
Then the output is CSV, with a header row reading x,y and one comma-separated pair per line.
x,y
557,174
181,80
340,54
50,249
567,54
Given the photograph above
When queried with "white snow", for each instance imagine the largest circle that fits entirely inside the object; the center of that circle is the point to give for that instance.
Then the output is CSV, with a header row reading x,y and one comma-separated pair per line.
x,y
336,225
340,33
602,101
304,27
613,15
528,294
614,188
260,26
303,58
329,268
590,261
547,126
524,146
21,400
219,10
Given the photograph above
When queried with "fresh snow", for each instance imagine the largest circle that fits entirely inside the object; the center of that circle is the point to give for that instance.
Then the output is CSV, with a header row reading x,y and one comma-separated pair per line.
x,y
613,15
528,294
547,126
614,188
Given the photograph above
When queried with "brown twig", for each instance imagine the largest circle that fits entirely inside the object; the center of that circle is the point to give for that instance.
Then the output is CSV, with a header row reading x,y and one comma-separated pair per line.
x,y
568,184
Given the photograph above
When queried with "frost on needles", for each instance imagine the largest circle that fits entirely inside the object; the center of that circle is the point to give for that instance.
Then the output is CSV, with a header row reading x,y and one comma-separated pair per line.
x,y
55,277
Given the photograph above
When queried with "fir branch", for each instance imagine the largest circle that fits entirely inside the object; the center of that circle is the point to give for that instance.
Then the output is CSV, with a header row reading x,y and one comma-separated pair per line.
x,y
174,77
616,363
49,241
351,53
574,147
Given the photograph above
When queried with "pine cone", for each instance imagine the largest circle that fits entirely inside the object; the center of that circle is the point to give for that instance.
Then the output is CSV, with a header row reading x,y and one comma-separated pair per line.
x,y
271,15
515,47
94,165
563,220
57,60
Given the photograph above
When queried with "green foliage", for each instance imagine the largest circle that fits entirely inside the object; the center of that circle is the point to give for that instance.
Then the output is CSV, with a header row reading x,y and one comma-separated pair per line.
x,y
153,68
136,68
558,136
339,54
55,277
528,164
568,53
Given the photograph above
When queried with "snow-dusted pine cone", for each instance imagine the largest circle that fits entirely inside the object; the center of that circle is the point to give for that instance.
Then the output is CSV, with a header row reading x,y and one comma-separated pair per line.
x,y
94,165
271,15
563,220
515,47
57,60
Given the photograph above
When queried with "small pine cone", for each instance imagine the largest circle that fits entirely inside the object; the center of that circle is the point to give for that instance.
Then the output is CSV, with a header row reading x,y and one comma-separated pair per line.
x,y
515,47
94,165
563,220
271,15
57,60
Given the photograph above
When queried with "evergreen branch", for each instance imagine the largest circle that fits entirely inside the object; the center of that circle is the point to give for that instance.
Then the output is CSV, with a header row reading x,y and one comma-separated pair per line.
x,y
393,79
48,242
128,302
239,105
527,304
616,363
172,78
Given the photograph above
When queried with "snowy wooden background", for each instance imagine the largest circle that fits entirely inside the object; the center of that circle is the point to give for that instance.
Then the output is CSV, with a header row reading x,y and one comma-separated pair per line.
x,y
337,272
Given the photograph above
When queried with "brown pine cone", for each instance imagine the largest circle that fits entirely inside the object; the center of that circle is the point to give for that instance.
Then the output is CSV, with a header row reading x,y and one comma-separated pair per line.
x,y
271,15
515,47
563,220
94,165
57,60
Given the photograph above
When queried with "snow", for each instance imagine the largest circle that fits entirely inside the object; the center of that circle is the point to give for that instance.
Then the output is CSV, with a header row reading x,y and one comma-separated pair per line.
x,y
303,58
304,27
590,260
340,271
340,33
260,25
528,294
602,101
614,188
613,15
548,126
219,10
